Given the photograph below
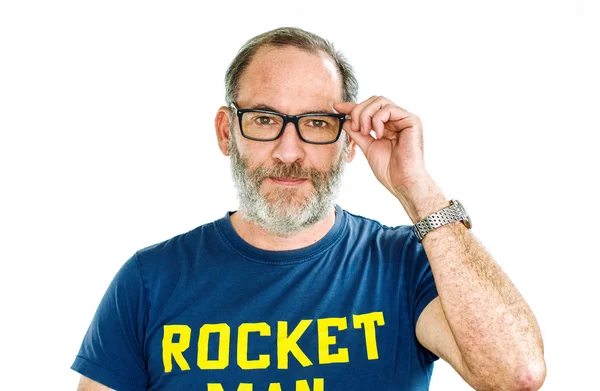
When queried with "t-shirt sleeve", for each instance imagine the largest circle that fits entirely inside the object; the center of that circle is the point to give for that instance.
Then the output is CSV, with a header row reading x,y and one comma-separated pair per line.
x,y
423,284
112,350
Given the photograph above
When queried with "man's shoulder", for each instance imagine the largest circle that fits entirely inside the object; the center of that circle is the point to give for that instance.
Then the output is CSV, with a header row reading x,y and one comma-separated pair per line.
x,y
362,225
377,241
178,248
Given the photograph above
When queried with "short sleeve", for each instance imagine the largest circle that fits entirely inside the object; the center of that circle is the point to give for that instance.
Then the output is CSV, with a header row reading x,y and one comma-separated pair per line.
x,y
422,284
112,351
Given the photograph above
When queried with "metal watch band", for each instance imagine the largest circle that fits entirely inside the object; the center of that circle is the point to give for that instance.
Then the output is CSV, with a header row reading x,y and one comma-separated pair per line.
x,y
453,212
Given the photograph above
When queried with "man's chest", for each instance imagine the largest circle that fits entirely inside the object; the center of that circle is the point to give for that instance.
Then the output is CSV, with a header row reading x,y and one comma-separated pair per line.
x,y
281,332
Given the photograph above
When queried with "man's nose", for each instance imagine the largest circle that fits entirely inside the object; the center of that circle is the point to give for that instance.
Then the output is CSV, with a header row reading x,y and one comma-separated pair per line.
x,y
289,147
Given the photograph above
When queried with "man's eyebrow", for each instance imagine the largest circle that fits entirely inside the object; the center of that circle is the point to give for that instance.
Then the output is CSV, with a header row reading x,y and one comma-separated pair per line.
x,y
261,106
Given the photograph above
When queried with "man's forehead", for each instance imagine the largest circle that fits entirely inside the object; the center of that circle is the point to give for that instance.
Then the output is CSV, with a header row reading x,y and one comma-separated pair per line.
x,y
282,75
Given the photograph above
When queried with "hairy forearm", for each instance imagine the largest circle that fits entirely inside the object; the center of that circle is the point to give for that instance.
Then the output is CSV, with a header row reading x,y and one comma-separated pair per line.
x,y
494,328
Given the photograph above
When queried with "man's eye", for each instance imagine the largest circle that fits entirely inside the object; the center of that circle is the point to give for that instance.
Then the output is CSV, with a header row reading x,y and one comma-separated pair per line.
x,y
263,120
317,123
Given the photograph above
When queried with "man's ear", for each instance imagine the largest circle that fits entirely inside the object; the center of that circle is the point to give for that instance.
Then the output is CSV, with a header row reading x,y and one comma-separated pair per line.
x,y
222,123
351,150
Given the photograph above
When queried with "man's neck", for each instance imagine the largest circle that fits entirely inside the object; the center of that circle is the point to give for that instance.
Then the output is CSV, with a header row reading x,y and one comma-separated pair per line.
x,y
258,237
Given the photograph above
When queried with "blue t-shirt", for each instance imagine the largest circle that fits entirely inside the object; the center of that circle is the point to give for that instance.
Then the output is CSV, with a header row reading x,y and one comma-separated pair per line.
x,y
207,311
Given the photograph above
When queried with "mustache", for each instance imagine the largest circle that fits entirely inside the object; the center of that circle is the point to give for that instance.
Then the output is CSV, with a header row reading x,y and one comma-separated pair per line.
x,y
287,171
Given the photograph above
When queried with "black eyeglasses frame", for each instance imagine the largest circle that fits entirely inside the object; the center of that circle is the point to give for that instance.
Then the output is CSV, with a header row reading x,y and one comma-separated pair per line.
x,y
287,119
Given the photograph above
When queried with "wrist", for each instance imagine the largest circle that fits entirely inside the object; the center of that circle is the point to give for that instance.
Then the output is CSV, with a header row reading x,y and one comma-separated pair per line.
x,y
422,198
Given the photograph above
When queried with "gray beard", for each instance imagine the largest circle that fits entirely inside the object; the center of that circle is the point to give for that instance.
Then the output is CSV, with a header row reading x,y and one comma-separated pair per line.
x,y
285,212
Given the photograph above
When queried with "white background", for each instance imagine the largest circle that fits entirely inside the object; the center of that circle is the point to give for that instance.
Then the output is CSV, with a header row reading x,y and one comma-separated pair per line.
x,y
107,145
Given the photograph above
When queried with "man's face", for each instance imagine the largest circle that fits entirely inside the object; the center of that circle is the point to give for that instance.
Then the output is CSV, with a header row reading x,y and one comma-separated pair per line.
x,y
287,185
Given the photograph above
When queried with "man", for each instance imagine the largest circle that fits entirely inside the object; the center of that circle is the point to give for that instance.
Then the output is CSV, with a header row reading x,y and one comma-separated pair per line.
x,y
293,293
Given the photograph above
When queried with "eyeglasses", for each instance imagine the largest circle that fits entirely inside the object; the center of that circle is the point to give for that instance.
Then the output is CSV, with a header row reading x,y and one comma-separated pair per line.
x,y
312,128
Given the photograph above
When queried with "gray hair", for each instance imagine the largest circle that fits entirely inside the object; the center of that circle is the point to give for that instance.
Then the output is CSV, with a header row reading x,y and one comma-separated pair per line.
x,y
289,36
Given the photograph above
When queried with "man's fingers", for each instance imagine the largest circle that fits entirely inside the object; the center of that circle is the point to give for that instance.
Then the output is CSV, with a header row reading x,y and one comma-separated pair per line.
x,y
380,118
347,126
376,114
356,115
360,139
368,114
344,107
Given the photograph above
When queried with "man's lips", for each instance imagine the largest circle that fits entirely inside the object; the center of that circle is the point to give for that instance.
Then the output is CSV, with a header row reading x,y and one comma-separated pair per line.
x,y
288,181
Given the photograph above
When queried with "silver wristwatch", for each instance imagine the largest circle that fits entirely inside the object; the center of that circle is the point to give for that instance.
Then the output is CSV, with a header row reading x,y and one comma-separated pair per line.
x,y
450,214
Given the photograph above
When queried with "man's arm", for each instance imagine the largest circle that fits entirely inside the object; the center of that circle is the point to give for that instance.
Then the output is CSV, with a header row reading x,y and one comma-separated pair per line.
x,y
87,384
480,323
111,351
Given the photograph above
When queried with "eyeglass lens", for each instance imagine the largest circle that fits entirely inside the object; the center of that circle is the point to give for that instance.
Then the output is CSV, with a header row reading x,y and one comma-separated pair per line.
x,y
317,129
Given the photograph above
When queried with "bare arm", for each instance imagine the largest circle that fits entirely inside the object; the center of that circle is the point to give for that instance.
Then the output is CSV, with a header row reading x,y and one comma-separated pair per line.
x,y
87,384
480,323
